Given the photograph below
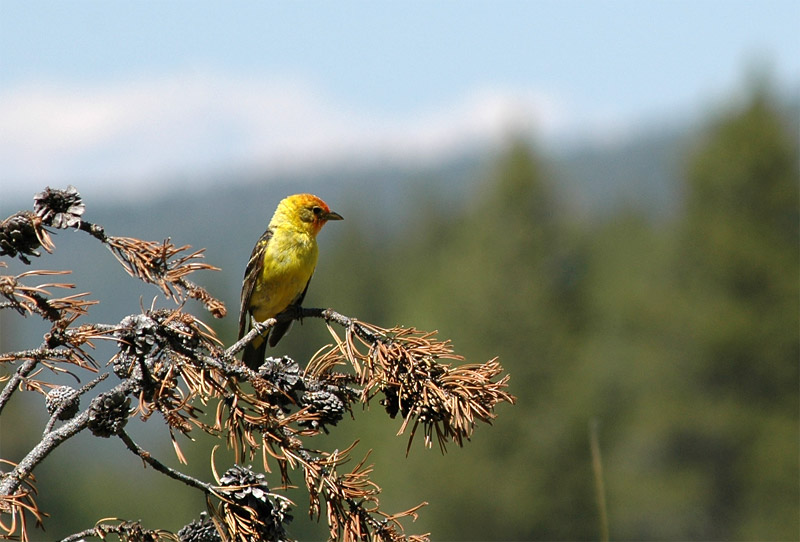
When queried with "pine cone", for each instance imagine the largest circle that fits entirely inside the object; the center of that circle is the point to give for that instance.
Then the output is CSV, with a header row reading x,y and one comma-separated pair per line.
x,y
138,334
18,236
59,208
65,399
285,374
202,530
327,403
249,489
108,413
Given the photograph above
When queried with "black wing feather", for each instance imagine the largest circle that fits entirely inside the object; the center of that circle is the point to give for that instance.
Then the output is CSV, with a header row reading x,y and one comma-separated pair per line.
x,y
254,267
253,356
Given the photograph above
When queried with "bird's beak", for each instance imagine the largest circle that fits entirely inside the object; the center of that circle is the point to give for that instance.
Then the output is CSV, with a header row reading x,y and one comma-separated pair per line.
x,y
333,216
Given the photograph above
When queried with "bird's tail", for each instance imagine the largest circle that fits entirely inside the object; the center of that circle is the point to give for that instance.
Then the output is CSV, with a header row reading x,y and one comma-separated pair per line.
x,y
254,353
277,332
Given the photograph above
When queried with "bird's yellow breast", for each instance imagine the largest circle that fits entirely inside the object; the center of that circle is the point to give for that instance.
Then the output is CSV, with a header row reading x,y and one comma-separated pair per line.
x,y
289,261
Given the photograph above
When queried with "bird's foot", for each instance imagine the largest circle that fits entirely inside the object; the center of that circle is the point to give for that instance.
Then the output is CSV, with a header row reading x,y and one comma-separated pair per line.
x,y
263,327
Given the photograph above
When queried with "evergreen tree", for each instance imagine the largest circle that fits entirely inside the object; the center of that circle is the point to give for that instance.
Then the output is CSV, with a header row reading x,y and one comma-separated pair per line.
x,y
741,269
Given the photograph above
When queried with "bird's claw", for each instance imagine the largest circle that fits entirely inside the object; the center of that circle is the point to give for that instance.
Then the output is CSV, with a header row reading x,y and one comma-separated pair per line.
x,y
263,327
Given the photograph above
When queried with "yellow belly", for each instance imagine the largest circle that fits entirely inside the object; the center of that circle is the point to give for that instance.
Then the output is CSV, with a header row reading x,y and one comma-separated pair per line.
x,y
289,262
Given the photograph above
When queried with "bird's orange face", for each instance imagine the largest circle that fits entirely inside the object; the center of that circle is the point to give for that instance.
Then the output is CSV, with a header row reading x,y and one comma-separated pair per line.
x,y
310,210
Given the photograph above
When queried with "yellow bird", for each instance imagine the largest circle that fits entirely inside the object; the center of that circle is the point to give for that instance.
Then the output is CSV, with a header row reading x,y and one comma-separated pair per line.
x,y
280,269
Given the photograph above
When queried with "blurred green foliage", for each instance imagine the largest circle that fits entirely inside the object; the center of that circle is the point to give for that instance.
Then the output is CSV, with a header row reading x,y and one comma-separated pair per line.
x,y
678,336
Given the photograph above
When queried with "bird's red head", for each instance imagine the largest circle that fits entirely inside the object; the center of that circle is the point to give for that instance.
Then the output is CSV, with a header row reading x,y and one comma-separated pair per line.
x,y
306,211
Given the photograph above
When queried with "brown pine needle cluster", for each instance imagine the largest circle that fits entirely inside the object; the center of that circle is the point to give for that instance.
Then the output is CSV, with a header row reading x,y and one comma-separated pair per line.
x,y
166,266
159,263
403,364
353,508
35,299
16,506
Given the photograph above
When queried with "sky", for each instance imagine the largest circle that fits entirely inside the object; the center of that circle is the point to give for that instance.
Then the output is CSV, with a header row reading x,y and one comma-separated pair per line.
x,y
132,93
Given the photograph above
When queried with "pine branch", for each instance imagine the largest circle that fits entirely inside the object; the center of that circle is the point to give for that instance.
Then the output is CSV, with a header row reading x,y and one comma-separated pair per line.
x,y
169,362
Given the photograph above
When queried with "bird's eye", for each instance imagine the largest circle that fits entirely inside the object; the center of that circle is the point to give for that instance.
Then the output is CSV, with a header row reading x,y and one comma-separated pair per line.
x,y
317,211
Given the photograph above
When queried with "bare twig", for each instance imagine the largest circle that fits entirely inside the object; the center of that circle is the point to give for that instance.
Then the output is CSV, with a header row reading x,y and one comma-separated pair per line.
x,y
163,469
16,379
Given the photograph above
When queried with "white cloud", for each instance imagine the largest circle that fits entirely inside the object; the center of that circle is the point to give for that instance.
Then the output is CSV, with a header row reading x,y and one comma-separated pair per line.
x,y
142,130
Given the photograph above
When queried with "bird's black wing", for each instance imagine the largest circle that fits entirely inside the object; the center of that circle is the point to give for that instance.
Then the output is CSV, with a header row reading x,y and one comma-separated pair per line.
x,y
254,268
281,328
253,356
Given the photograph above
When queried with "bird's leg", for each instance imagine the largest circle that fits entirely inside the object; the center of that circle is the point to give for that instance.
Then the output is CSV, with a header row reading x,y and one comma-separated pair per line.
x,y
292,312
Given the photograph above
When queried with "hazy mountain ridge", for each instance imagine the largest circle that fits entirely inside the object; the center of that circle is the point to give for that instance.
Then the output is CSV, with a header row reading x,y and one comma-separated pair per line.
x,y
596,177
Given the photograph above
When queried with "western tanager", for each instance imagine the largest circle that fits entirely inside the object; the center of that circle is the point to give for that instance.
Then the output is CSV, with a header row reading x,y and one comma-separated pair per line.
x,y
280,268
